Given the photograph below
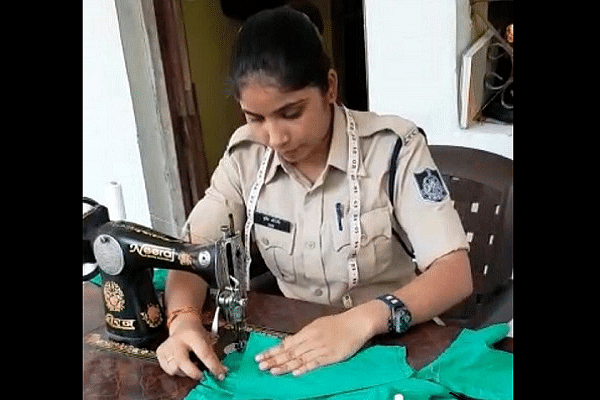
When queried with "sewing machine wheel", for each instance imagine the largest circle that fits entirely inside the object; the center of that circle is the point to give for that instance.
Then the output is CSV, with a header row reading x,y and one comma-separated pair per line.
x,y
90,266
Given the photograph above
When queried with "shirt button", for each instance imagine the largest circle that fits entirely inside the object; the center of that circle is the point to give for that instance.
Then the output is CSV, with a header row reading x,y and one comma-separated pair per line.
x,y
318,292
310,245
265,241
347,301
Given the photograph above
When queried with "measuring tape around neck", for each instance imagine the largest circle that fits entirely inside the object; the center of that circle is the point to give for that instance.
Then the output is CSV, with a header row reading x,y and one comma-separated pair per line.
x,y
355,230
354,188
251,207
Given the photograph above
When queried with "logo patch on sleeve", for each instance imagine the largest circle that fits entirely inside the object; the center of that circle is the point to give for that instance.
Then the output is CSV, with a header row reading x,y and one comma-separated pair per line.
x,y
430,184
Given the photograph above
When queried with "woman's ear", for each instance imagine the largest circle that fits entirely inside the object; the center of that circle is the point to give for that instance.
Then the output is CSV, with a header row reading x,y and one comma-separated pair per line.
x,y
332,90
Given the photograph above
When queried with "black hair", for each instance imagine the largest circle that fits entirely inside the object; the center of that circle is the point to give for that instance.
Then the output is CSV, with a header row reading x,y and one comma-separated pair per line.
x,y
282,44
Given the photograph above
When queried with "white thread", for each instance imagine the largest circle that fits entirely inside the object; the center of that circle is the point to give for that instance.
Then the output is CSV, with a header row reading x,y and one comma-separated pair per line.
x,y
214,329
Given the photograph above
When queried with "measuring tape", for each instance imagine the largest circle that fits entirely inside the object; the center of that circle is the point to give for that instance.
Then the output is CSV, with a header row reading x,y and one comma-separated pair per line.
x,y
355,230
251,207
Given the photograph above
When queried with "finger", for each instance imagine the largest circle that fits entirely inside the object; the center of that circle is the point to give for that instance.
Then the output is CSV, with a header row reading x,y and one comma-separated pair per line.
x,y
207,355
179,363
309,366
187,367
277,358
288,343
169,366
272,352
307,361
291,365
290,359
175,360
166,359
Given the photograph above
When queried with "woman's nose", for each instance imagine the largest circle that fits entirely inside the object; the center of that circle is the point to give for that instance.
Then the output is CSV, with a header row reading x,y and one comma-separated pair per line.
x,y
277,135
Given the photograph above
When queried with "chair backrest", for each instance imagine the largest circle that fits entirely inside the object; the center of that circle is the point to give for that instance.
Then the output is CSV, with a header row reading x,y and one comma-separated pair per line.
x,y
481,186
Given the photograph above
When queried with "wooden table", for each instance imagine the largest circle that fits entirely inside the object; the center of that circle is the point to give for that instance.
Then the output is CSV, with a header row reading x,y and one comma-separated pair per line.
x,y
110,375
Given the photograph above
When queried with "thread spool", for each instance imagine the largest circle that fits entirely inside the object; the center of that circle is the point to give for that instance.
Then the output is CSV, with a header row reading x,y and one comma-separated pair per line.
x,y
114,201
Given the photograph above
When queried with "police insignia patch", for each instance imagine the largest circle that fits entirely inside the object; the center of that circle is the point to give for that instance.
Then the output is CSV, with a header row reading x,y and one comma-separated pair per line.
x,y
430,185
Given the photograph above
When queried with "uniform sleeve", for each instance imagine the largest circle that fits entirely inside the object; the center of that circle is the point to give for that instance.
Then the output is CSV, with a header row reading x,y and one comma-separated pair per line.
x,y
223,197
423,206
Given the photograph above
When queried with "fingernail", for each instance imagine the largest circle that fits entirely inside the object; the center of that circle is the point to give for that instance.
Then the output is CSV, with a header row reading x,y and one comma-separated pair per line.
x,y
262,366
258,357
221,377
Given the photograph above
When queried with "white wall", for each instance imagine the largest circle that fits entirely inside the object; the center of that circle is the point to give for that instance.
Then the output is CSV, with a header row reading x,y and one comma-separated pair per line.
x,y
110,145
412,69
413,48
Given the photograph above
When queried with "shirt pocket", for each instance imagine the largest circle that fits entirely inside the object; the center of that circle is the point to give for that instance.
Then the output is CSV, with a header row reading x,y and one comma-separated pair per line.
x,y
375,251
276,248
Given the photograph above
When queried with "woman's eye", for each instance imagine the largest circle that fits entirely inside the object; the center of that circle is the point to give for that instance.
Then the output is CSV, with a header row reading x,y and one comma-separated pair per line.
x,y
252,118
292,113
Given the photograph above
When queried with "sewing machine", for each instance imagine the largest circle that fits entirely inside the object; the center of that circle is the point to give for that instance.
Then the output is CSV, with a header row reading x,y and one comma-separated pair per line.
x,y
126,254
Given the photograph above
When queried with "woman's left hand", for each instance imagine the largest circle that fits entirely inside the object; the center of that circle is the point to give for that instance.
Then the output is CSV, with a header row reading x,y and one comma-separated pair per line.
x,y
325,341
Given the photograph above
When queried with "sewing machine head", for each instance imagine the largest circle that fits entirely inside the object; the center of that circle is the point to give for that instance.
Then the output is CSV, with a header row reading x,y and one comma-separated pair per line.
x,y
125,255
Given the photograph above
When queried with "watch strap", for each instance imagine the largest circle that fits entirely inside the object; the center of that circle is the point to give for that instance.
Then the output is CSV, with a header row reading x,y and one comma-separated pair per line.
x,y
391,301
398,311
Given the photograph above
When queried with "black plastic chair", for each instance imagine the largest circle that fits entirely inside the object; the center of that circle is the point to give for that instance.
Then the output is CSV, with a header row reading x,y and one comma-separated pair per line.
x,y
481,186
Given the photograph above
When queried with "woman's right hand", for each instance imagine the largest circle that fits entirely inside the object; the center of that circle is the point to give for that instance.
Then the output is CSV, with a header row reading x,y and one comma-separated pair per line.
x,y
187,334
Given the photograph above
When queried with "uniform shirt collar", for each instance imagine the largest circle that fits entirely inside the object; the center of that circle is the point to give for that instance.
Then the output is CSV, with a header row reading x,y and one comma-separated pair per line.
x,y
338,150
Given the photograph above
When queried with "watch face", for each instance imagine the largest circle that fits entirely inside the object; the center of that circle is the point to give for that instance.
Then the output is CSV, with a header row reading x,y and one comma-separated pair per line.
x,y
401,320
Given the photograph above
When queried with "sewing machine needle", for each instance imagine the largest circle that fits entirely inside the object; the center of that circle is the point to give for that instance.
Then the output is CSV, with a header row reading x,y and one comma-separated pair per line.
x,y
214,329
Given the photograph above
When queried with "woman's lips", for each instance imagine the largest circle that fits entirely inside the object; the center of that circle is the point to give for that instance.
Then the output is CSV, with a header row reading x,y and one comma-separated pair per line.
x,y
287,154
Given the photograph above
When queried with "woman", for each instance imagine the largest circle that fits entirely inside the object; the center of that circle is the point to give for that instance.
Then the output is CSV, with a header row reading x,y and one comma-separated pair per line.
x,y
313,176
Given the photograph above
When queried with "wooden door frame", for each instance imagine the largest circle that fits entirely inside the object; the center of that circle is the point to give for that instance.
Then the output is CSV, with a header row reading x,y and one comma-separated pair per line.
x,y
167,119
185,117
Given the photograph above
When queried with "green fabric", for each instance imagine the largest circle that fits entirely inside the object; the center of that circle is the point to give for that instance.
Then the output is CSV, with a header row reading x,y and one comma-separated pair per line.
x,y
469,366
158,279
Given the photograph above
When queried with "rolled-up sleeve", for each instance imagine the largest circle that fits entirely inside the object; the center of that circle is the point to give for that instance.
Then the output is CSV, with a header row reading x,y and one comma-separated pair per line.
x,y
423,205
223,197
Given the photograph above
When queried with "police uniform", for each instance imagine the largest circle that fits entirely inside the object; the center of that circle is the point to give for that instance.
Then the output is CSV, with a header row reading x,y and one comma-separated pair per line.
x,y
303,230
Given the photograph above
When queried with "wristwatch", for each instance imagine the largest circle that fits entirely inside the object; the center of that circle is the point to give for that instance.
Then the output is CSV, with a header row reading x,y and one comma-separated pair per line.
x,y
399,321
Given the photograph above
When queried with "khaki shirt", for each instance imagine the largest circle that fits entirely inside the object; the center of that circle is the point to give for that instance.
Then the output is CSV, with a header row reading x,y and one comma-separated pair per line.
x,y
297,228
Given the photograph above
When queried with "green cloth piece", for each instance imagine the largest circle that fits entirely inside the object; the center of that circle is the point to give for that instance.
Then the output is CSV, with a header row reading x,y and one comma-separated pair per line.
x,y
469,366
158,279
386,368
473,367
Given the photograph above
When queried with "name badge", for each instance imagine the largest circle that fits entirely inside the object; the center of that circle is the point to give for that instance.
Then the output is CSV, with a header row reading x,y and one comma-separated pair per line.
x,y
272,222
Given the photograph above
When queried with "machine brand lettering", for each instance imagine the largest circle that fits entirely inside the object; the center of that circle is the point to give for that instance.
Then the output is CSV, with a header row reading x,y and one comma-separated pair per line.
x,y
151,251
118,323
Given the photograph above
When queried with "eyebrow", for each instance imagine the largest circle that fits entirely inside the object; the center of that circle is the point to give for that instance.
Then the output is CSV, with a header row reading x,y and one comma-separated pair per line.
x,y
280,109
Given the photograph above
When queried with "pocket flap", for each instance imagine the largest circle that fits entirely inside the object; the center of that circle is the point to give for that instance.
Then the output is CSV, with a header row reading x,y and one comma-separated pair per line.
x,y
374,223
268,238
